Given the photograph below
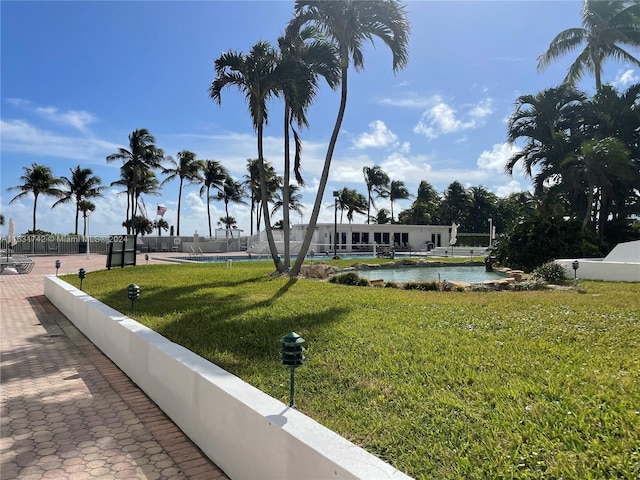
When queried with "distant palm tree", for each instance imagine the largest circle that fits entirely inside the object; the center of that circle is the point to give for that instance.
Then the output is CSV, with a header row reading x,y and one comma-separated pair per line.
x,y
37,180
295,202
161,224
377,182
86,207
595,169
81,185
349,24
256,75
606,24
214,175
142,155
232,192
186,168
350,200
397,191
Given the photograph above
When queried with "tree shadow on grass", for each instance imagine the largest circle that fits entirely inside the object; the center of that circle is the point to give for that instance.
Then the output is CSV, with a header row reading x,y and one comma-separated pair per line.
x,y
224,328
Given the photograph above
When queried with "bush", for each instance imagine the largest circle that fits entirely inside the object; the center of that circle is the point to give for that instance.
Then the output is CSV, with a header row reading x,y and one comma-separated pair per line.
x,y
551,272
349,279
425,286
538,240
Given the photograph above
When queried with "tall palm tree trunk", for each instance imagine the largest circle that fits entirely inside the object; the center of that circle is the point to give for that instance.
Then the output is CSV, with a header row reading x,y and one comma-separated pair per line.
x,y
285,190
35,205
209,212
77,215
179,202
324,178
265,205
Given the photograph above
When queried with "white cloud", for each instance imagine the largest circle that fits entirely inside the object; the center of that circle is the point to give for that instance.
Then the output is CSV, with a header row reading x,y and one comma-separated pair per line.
x,y
21,137
628,77
378,136
409,102
494,160
78,119
442,119
505,190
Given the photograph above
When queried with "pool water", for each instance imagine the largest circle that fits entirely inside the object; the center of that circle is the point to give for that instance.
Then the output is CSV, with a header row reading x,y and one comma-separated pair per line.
x,y
472,274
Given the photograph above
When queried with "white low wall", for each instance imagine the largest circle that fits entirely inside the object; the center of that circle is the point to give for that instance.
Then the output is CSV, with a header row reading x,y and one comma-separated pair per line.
x,y
247,433
601,269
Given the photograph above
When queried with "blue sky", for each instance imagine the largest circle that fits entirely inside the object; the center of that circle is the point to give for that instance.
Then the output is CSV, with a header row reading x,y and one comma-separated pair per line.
x,y
78,77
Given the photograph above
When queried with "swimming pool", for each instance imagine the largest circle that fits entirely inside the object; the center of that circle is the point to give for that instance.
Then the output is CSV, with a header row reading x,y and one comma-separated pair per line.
x,y
471,274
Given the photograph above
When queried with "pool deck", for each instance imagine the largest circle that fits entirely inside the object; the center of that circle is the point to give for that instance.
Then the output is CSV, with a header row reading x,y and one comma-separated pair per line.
x,y
67,411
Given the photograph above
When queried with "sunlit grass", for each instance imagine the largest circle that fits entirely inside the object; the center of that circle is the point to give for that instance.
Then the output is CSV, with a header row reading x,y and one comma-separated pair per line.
x,y
540,384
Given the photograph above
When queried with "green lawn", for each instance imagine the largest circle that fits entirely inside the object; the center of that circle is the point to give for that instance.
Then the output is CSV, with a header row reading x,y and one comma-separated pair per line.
x,y
542,384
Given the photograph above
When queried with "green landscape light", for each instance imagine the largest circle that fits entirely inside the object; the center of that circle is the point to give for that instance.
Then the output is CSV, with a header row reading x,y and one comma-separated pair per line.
x,y
57,266
292,357
133,292
82,273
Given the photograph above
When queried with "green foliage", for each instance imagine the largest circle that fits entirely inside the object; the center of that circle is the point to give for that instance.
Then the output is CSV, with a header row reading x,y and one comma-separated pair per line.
x,y
519,385
538,240
552,273
424,286
349,278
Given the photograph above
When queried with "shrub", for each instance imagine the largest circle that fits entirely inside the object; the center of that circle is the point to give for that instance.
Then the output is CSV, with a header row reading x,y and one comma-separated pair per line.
x,y
425,286
349,279
551,272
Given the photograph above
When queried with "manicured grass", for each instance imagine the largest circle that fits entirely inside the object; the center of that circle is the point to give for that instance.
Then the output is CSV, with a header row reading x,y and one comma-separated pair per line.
x,y
525,385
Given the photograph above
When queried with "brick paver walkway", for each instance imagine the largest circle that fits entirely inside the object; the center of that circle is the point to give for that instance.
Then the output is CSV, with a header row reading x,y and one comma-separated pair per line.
x,y
67,411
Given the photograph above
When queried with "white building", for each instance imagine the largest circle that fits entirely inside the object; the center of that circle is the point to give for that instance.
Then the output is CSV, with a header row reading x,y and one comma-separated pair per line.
x,y
358,237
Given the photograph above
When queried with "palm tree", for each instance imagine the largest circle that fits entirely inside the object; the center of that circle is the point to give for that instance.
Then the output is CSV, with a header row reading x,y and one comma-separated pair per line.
x,y
549,122
186,168
256,75
597,167
377,182
86,207
80,186
305,57
424,209
214,175
349,24
482,208
455,205
38,180
606,24
161,224
397,191
295,202
232,192
142,155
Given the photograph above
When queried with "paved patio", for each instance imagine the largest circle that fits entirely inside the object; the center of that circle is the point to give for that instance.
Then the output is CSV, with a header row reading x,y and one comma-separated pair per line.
x,y
67,411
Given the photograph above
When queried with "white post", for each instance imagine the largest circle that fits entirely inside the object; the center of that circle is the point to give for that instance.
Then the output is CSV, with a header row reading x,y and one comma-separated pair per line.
x,y
88,235
490,232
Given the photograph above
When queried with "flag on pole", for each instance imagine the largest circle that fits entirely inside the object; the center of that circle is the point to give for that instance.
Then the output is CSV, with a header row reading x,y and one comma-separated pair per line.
x,y
161,210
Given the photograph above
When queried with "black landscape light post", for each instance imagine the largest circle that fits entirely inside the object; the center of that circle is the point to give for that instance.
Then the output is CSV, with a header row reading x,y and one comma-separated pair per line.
x,y
133,292
292,357
57,266
82,273
146,257
575,266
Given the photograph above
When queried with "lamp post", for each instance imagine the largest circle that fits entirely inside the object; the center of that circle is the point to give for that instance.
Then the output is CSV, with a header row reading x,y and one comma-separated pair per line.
x,y
490,231
57,266
575,266
292,357
133,292
146,257
336,194
86,214
82,273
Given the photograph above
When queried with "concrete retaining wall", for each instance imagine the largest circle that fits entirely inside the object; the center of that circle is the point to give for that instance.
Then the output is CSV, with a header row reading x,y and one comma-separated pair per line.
x,y
599,269
247,433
